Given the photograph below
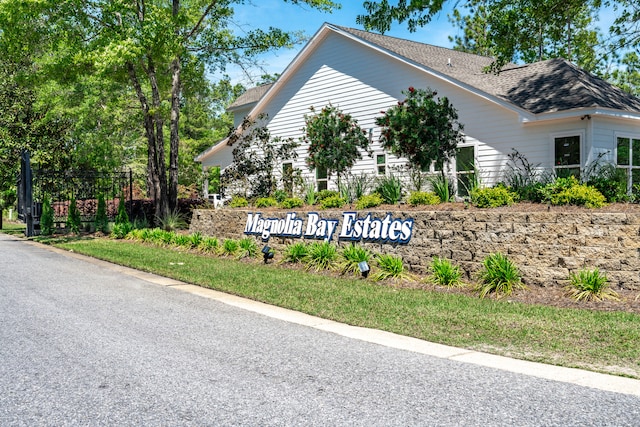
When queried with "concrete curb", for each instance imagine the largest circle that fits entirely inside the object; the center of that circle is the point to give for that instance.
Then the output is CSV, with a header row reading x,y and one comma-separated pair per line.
x,y
579,377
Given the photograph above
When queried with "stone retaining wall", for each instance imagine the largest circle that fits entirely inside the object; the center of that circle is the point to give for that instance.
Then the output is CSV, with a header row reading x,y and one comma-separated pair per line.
x,y
546,246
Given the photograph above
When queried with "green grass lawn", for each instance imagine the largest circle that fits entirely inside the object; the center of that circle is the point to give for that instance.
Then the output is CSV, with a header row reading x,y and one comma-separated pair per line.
x,y
600,341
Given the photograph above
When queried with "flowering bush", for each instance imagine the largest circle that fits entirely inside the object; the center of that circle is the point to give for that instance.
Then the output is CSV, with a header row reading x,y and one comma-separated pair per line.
x,y
421,128
334,140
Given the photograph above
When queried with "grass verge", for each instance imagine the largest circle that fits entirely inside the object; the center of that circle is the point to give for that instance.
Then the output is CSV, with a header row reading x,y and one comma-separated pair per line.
x,y
600,341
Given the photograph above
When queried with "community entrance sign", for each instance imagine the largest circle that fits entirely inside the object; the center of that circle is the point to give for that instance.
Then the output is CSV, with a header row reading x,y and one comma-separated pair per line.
x,y
350,227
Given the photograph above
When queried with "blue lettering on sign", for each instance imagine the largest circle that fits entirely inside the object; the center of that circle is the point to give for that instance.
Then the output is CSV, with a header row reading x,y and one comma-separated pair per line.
x,y
367,229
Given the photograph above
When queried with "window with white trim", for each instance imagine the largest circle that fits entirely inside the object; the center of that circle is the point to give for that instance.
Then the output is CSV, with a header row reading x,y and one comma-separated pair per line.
x,y
465,169
628,158
566,159
321,178
381,164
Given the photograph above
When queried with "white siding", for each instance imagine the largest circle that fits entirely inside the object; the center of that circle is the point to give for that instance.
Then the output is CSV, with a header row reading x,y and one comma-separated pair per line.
x,y
363,82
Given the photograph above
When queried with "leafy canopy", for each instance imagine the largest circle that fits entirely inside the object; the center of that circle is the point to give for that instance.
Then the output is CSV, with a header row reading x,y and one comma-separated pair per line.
x,y
422,128
334,139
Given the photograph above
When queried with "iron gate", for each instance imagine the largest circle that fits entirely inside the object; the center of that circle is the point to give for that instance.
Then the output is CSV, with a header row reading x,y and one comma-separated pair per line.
x,y
63,186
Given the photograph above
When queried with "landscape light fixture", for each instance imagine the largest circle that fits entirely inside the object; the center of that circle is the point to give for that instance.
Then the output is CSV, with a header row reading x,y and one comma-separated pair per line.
x,y
267,253
364,268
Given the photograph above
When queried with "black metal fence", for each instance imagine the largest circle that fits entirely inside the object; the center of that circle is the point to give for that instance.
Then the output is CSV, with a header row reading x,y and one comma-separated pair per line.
x,y
63,186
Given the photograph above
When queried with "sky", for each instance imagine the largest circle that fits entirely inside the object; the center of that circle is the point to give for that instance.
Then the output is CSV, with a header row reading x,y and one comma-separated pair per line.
x,y
288,17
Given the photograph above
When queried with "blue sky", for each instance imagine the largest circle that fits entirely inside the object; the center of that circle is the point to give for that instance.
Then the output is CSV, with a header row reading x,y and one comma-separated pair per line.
x,y
279,14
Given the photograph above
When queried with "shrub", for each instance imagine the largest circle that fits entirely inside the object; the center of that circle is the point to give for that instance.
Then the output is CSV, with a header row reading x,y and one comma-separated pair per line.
x,y
325,194
182,240
498,275
209,245
174,220
567,191
166,237
247,248
354,187
390,189
238,202
590,285
322,255
391,266
280,195
351,256
442,187
492,197
292,202
121,216
296,252
120,231
310,194
333,202
369,201
101,221
423,198
47,226
230,247
444,273
73,217
265,202
196,239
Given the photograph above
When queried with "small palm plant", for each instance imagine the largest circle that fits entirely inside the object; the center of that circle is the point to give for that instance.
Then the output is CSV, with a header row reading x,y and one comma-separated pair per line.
x,y
230,247
351,256
498,275
391,267
248,248
196,239
444,273
209,245
182,240
590,285
296,252
322,256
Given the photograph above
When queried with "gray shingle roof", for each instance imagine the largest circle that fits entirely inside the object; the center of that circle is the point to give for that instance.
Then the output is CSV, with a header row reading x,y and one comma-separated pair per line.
x,y
250,96
541,87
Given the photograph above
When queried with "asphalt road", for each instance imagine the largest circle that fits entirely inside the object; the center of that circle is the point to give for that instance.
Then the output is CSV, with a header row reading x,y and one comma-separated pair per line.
x,y
84,344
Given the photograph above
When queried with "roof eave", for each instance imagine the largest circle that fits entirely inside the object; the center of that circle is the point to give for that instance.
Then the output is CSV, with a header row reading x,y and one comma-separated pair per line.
x,y
581,113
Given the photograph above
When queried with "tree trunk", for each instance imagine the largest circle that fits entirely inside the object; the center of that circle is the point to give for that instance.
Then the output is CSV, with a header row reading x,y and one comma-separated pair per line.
x,y
154,168
175,137
161,200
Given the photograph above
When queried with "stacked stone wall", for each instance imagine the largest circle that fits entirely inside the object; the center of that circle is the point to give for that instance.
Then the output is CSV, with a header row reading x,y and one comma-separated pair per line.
x,y
546,246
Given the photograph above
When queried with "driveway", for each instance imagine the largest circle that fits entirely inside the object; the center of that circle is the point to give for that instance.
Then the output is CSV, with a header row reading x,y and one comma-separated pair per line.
x,y
87,343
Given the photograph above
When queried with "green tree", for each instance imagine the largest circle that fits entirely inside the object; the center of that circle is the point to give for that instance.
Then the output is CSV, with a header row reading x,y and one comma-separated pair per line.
x,y
627,77
47,226
334,139
255,157
149,46
509,30
73,217
422,128
101,220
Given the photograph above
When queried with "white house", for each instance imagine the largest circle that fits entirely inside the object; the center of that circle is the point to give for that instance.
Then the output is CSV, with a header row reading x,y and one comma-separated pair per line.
x,y
553,113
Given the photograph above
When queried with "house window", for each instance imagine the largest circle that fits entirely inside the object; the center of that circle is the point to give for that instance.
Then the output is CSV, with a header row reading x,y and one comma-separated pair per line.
x,y
287,177
465,170
381,164
321,178
628,159
567,155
